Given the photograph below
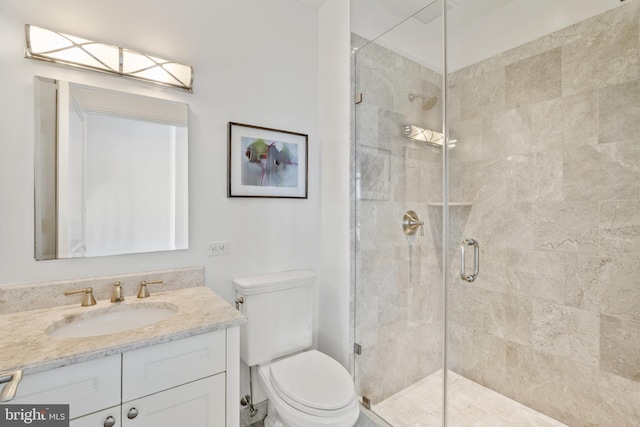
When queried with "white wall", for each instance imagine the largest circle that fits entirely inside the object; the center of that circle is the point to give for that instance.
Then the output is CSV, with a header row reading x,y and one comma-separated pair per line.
x,y
335,109
255,62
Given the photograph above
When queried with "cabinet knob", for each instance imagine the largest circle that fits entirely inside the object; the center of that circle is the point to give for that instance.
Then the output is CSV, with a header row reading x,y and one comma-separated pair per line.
x,y
110,421
133,412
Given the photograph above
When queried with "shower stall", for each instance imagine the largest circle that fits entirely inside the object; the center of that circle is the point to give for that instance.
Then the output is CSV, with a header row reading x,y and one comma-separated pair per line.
x,y
496,207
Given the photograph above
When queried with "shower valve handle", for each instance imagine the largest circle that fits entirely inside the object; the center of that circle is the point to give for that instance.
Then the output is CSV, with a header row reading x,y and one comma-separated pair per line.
x,y
411,222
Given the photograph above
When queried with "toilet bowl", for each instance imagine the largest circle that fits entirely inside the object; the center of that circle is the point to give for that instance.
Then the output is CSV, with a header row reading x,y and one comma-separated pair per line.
x,y
305,388
309,389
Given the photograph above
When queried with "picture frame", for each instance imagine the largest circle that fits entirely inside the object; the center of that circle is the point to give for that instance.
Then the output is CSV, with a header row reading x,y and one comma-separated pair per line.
x,y
266,162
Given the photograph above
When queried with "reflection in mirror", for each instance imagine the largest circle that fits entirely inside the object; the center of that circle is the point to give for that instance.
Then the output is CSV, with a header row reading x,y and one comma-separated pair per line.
x,y
111,172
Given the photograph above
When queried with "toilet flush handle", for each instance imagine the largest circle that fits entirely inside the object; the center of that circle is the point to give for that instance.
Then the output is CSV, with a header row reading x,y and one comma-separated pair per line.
x,y
238,302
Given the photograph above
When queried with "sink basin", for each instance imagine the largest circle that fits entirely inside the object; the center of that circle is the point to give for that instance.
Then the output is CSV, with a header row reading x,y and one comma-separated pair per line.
x,y
111,320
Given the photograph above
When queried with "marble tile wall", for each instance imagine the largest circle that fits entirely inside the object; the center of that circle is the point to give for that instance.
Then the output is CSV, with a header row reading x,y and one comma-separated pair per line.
x,y
548,155
398,297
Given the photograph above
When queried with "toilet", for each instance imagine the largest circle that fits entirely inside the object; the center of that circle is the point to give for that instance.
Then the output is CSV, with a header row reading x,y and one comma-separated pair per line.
x,y
304,387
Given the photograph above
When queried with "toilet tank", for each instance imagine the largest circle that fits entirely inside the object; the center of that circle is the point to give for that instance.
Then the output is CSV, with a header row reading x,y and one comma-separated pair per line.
x,y
279,309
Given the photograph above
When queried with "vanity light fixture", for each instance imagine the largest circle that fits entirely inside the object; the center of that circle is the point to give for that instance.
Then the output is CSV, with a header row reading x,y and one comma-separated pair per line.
x,y
60,48
429,136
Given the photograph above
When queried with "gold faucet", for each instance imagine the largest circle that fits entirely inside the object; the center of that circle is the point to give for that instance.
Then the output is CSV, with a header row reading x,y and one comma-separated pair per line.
x,y
117,295
88,299
144,292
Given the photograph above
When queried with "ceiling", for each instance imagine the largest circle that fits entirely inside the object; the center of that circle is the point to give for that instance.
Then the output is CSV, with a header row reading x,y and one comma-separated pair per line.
x,y
314,3
477,29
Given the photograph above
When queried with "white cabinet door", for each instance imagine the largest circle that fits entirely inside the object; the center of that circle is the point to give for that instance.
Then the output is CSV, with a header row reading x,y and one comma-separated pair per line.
x,y
152,369
197,404
106,418
86,387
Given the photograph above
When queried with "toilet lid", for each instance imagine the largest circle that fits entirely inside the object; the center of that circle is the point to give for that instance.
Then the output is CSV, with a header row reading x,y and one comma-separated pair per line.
x,y
313,380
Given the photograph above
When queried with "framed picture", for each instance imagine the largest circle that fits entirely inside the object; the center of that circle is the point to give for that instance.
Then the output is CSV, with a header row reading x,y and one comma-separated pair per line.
x,y
267,162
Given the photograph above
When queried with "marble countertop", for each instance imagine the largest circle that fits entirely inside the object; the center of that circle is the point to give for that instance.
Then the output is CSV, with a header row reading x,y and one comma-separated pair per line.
x,y
24,343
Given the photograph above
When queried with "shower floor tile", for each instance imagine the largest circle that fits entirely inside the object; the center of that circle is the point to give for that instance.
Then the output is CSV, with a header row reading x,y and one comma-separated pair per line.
x,y
470,404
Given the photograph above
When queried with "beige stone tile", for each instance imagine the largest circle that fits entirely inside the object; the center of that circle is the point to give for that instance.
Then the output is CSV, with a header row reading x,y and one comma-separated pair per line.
x,y
465,305
484,360
454,96
412,181
483,94
590,173
507,316
482,180
366,125
524,417
494,316
507,133
579,118
599,398
534,377
469,404
390,131
536,274
534,79
618,112
566,226
603,285
608,55
547,125
469,146
534,177
624,153
431,76
566,332
620,347
456,336
374,174
374,78
620,229
519,327
507,225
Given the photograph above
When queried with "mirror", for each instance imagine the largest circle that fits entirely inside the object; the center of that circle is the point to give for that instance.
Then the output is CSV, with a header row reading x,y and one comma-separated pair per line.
x,y
111,172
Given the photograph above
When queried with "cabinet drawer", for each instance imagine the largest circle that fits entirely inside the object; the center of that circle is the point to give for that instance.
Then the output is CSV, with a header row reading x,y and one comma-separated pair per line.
x,y
98,419
197,404
163,366
87,387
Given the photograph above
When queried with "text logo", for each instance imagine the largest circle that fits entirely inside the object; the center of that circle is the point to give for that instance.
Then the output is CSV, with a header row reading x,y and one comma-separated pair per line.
x,y
34,415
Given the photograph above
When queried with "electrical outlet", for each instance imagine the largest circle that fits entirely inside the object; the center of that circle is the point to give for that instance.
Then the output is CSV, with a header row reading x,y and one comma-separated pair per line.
x,y
218,248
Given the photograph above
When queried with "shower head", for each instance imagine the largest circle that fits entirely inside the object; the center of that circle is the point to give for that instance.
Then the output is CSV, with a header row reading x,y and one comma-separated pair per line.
x,y
427,101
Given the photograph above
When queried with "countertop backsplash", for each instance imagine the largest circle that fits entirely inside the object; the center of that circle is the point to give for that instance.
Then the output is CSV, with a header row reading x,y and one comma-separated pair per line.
x,y
38,295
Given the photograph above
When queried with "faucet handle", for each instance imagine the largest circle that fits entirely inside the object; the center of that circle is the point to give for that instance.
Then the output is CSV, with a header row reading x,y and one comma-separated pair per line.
x,y
144,292
88,299
116,295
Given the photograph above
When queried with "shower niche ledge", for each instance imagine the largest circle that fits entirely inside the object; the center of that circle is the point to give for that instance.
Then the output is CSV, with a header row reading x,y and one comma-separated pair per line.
x,y
440,204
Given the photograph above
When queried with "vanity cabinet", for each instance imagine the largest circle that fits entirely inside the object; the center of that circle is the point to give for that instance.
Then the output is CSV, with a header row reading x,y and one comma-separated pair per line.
x,y
87,387
200,403
176,383
107,418
184,382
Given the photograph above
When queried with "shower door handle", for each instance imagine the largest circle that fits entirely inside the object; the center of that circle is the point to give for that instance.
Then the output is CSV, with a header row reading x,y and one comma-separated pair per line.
x,y
476,260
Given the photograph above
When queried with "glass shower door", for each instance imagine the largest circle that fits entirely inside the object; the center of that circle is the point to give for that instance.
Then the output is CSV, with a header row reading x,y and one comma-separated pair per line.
x,y
398,207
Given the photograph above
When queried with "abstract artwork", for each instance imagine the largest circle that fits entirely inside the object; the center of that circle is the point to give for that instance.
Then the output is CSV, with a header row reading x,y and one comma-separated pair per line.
x,y
266,162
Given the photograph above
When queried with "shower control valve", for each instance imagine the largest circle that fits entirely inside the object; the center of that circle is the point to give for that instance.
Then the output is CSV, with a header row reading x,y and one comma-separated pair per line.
x,y
411,222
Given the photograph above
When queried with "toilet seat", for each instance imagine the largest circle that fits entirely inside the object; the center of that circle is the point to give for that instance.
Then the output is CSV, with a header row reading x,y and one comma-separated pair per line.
x,y
313,383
